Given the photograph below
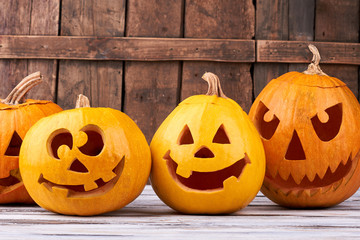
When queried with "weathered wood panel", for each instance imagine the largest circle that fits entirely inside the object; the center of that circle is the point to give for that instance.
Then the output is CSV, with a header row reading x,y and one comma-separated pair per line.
x,y
100,81
151,88
301,25
271,23
124,48
298,52
338,20
224,20
23,17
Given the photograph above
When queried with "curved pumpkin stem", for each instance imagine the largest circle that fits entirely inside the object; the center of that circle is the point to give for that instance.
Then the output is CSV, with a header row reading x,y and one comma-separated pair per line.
x,y
314,67
82,101
214,85
17,95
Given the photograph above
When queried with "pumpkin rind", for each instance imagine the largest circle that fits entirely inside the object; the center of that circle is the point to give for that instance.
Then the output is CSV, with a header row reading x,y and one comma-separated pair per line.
x,y
204,115
16,119
102,181
322,169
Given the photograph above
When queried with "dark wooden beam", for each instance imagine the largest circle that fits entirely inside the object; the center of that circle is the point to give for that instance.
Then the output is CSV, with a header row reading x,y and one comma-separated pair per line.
x,y
298,52
126,48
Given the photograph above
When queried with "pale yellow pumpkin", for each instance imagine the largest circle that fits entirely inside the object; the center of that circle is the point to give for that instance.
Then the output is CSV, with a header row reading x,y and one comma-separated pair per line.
x,y
207,155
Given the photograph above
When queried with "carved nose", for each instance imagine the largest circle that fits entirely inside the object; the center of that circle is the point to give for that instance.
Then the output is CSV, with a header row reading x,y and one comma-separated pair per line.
x,y
295,150
204,152
77,166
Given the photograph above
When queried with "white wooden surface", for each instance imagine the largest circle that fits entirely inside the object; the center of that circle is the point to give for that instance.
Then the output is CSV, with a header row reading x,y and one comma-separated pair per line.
x,y
148,218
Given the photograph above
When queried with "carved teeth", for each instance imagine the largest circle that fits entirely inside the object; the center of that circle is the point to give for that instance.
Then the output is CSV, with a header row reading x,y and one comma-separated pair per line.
x,y
90,186
58,190
337,184
334,166
109,177
184,172
325,189
313,192
284,173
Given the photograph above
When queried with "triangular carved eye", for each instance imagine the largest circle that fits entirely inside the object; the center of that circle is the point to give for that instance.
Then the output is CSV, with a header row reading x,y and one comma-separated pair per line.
x,y
221,136
14,145
185,136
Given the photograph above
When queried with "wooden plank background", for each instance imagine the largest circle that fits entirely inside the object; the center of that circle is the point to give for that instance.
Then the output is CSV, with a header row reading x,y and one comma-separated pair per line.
x,y
143,57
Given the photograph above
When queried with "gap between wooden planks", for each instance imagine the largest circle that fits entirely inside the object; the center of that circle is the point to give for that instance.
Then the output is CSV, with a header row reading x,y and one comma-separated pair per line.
x,y
173,49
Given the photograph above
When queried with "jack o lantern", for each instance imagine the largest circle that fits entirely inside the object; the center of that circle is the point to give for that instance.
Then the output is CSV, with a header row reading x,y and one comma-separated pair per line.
x,y
309,125
85,161
207,155
17,116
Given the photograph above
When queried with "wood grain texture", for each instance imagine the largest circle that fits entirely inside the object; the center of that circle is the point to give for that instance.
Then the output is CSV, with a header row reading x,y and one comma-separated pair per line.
x,y
301,25
338,20
126,48
219,19
21,17
272,23
235,79
298,52
100,81
148,218
151,87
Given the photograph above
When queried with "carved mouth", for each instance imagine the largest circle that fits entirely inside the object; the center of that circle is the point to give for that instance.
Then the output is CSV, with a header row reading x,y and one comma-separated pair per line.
x,y
206,181
10,181
341,175
79,190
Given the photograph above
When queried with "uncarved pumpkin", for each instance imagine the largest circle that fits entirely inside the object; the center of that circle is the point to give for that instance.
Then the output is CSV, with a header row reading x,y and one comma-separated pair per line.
x,y
85,161
207,155
309,124
17,116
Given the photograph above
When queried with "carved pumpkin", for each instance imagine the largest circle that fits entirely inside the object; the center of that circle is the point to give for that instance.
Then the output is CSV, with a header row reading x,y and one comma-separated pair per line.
x,y
207,155
85,161
17,116
309,124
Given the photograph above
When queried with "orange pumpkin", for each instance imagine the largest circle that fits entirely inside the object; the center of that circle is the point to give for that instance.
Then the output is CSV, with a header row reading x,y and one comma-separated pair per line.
x,y
207,155
309,124
85,161
17,116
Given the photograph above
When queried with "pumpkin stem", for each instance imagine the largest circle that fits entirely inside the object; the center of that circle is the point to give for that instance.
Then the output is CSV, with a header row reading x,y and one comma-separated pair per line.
x,y
17,95
82,101
214,85
314,67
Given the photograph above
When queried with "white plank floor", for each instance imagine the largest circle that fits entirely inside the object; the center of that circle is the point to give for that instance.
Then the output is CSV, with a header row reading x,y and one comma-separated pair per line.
x,y
148,218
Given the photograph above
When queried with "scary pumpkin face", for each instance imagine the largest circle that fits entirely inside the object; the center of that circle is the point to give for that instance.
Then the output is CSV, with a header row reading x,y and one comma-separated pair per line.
x,y
207,156
17,116
309,124
85,161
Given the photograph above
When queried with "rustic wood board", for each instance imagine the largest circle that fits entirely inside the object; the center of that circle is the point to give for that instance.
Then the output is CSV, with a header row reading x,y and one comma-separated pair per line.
x,y
338,20
126,48
151,88
298,52
100,81
301,25
25,17
271,23
148,218
221,20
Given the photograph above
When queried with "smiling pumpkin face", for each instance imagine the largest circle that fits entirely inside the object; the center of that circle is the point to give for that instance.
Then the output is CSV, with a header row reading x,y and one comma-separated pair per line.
x,y
207,157
85,161
309,124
